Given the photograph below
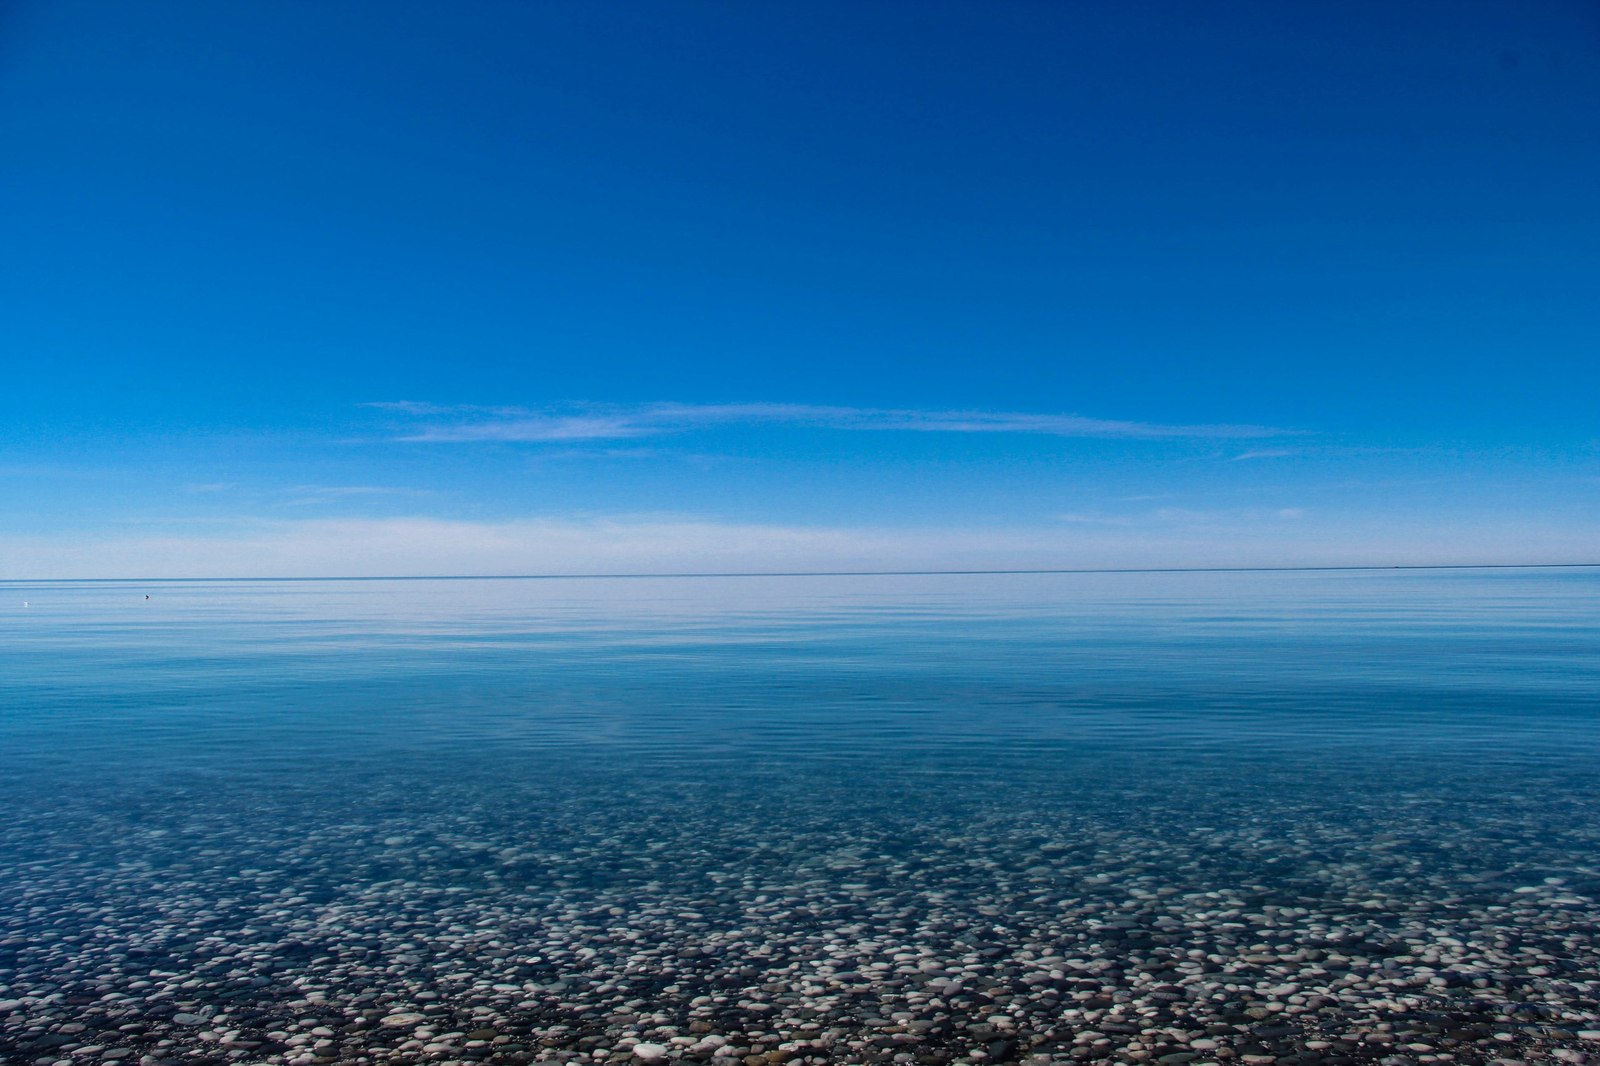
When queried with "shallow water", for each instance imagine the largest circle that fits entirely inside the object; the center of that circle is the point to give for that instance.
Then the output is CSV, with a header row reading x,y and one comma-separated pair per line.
x,y
1297,817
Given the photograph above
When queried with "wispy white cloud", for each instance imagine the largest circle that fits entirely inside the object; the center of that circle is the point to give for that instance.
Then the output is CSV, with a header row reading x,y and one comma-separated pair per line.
x,y
1096,518
581,451
1212,521
303,495
464,424
535,428
421,546
1217,516
1327,451
298,495
335,491
688,544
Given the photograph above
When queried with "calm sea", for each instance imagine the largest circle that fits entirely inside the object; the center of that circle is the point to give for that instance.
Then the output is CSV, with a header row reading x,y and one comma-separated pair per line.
x,y
1295,817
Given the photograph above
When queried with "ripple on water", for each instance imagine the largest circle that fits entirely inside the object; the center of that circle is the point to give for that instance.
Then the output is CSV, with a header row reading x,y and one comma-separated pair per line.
x,y
1279,820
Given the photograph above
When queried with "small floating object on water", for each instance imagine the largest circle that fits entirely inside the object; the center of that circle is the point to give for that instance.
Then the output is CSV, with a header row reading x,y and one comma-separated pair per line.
x,y
147,595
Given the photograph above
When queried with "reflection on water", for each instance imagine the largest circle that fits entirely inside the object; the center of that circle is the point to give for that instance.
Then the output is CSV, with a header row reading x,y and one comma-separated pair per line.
x,y
1291,817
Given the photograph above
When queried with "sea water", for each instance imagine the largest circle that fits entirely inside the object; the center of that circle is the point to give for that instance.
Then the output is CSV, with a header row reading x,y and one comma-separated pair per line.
x,y
1205,817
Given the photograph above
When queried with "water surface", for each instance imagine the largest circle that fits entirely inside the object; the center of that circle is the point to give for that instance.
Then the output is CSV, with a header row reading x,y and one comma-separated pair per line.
x,y
1294,816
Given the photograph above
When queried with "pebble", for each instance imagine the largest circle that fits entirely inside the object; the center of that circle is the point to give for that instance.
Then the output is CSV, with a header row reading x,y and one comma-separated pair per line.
x,y
787,917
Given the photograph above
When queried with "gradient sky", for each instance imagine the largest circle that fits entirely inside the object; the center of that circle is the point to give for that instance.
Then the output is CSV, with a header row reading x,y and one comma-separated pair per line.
x,y
340,288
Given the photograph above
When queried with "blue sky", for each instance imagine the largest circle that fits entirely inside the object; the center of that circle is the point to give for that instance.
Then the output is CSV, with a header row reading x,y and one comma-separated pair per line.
x,y
323,288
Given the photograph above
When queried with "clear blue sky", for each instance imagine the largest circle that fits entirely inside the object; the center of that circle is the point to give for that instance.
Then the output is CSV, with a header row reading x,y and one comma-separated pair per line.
x,y
486,287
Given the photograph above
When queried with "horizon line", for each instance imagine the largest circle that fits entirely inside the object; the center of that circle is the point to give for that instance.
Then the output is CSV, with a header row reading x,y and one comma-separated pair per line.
x,y
997,572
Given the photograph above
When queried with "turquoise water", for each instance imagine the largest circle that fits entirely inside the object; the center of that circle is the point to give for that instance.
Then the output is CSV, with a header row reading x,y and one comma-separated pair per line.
x,y
1300,817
